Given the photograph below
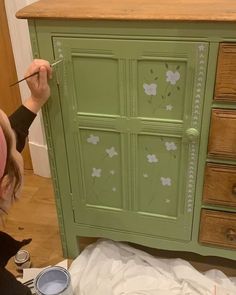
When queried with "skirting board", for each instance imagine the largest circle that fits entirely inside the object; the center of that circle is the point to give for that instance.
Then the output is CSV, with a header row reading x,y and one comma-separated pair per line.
x,y
40,161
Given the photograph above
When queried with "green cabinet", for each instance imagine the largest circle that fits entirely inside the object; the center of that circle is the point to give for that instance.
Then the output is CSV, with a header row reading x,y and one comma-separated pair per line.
x,y
127,128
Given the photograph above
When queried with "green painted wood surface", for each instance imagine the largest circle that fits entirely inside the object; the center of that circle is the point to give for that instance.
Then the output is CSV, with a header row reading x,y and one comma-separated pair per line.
x,y
127,129
133,102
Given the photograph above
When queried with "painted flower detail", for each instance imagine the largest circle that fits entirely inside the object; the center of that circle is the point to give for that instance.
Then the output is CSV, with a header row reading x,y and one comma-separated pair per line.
x,y
172,77
167,201
112,172
145,175
170,146
111,152
169,107
152,158
150,89
96,172
93,139
114,189
166,181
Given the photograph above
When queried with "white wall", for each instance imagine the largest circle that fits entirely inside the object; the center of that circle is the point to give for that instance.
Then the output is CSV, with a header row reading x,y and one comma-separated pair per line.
x,y
23,56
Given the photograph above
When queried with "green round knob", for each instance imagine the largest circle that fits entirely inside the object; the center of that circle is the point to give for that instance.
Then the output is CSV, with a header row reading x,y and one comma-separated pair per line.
x,y
192,134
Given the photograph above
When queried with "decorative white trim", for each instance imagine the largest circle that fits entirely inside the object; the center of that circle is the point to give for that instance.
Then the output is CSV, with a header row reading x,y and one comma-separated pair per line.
x,y
198,93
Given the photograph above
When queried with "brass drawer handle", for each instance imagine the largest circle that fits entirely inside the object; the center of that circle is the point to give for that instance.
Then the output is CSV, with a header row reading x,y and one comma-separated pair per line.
x,y
234,189
231,235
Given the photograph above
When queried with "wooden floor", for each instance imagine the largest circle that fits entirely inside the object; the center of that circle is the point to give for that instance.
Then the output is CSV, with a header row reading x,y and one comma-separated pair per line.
x,y
34,216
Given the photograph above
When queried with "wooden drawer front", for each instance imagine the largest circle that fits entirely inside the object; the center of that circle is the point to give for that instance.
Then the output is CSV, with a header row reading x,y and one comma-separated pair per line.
x,y
222,139
218,228
220,185
225,88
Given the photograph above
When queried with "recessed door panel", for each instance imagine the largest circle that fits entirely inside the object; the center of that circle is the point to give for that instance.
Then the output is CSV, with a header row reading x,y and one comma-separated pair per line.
x,y
161,88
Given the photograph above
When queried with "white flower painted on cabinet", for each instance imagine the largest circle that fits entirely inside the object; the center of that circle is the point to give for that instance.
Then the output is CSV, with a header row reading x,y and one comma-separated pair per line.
x,y
152,158
172,77
111,152
170,146
166,181
145,175
112,172
150,89
93,139
96,172
169,107
114,189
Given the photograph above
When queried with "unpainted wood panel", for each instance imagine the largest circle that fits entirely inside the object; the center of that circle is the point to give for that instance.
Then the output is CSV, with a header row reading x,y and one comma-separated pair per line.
x,y
225,88
185,10
220,185
222,136
218,228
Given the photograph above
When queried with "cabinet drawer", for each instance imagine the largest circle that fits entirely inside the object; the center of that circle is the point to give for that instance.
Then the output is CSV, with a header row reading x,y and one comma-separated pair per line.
x,y
218,228
225,88
222,139
220,185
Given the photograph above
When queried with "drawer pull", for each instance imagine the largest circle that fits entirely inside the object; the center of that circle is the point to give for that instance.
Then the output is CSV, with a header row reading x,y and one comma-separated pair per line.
x,y
234,189
231,235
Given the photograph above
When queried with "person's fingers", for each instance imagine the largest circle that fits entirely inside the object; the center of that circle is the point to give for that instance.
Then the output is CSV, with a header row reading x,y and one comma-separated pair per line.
x,y
32,69
43,79
35,66
33,82
50,72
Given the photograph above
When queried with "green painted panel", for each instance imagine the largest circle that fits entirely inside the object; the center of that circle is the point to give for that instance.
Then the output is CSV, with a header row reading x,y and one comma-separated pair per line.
x,y
101,162
158,182
161,88
96,91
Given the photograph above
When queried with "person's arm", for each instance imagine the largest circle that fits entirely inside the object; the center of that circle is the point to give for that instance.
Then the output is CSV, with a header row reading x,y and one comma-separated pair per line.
x,y
20,122
23,117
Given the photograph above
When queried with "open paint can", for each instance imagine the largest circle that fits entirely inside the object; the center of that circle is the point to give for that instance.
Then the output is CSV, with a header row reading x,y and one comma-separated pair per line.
x,y
22,260
53,280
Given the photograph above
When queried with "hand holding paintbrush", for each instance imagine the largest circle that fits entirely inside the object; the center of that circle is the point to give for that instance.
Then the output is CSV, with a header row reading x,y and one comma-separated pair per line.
x,y
37,77
36,73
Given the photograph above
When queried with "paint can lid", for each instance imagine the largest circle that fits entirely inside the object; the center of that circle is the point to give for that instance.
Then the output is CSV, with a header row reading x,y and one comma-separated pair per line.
x,y
21,256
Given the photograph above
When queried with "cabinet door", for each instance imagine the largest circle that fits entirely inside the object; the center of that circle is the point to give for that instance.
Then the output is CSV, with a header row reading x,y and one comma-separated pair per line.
x,y
132,113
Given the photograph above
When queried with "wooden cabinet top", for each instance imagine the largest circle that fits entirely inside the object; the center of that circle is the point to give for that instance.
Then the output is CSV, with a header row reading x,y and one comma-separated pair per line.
x,y
163,10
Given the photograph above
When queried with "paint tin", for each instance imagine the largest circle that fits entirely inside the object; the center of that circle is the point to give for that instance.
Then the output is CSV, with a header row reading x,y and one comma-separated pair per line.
x,y
22,260
53,280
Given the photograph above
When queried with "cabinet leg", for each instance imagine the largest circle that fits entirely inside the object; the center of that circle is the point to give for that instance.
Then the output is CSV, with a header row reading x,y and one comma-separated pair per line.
x,y
73,247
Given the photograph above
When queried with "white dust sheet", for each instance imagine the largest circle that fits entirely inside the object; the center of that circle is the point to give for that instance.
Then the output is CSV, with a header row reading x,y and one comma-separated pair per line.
x,y
107,268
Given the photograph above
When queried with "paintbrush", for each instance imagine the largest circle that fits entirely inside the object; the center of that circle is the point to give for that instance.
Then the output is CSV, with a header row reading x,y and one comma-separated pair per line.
x,y
36,73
